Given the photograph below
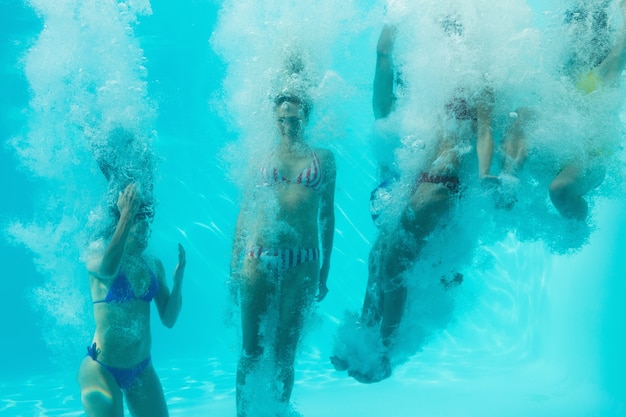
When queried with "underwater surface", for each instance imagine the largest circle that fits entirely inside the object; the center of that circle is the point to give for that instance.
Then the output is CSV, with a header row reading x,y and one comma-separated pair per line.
x,y
536,328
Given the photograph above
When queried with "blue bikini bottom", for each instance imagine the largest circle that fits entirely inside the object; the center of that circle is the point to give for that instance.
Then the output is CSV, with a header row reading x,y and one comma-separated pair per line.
x,y
125,377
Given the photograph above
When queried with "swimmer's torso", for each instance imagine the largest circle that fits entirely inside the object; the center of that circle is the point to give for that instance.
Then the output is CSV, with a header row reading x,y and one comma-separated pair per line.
x,y
123,328
287,201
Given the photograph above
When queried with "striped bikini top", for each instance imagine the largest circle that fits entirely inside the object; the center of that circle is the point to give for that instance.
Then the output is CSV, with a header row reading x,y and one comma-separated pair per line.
x,y
310,176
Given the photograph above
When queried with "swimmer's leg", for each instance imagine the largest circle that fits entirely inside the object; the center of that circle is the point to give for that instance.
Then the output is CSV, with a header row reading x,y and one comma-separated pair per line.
x,y
145,398
256,291
568,188
514,143
373,304
383,97
514,152
427,206
296,297
100,394
371,313
391,301
395,301
372,310
484,133
394,304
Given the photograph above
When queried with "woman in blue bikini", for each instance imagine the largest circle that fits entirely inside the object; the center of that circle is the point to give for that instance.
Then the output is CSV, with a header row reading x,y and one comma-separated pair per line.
x,y
123,281
282,247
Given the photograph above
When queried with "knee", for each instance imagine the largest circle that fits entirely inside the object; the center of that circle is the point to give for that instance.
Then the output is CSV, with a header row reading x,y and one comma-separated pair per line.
x,y
97,401
560,192
568,201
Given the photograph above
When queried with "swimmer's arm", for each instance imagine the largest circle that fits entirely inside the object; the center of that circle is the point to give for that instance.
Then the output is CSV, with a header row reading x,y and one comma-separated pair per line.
x,y
484,140
128,204
238,242
237,253
327,221
613,65
383,98
169,303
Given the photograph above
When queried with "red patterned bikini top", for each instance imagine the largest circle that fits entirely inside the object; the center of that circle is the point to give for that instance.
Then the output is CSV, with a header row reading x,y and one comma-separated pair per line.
x,y
310,176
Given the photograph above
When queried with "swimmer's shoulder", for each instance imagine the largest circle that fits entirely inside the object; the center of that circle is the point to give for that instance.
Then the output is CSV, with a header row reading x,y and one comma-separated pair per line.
x,y
154,264
326,157
93,265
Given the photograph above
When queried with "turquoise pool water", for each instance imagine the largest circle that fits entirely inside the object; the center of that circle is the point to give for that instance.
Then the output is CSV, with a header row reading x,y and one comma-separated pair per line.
x,y
532,331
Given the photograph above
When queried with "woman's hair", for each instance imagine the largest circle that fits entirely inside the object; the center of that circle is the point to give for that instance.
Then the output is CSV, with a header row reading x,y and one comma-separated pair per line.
x,y
294,80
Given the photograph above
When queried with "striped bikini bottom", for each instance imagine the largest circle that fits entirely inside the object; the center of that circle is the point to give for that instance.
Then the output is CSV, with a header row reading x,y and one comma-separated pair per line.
x,y
282,259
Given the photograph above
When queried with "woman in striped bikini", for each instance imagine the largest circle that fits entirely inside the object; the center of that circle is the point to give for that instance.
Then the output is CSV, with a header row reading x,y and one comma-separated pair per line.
x,y
282,247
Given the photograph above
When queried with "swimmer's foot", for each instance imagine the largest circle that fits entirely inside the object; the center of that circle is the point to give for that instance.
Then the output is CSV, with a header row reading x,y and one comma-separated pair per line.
x,y
457,279
377,374
340,364
492,185
503,188
505,193
489,182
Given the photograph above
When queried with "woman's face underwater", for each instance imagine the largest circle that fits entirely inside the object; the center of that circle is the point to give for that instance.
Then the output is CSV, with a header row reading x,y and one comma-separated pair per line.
x,y
289,120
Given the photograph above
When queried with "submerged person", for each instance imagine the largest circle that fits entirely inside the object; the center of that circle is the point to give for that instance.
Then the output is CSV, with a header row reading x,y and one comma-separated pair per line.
x,y
577,178
123,281
400,241
593,67
282,249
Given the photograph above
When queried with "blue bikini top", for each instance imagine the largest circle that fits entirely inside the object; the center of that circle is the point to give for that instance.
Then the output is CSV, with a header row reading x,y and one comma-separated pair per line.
x,y
121,291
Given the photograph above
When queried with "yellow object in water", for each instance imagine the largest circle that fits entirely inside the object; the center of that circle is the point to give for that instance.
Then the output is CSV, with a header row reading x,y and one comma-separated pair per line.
x,y
589,82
